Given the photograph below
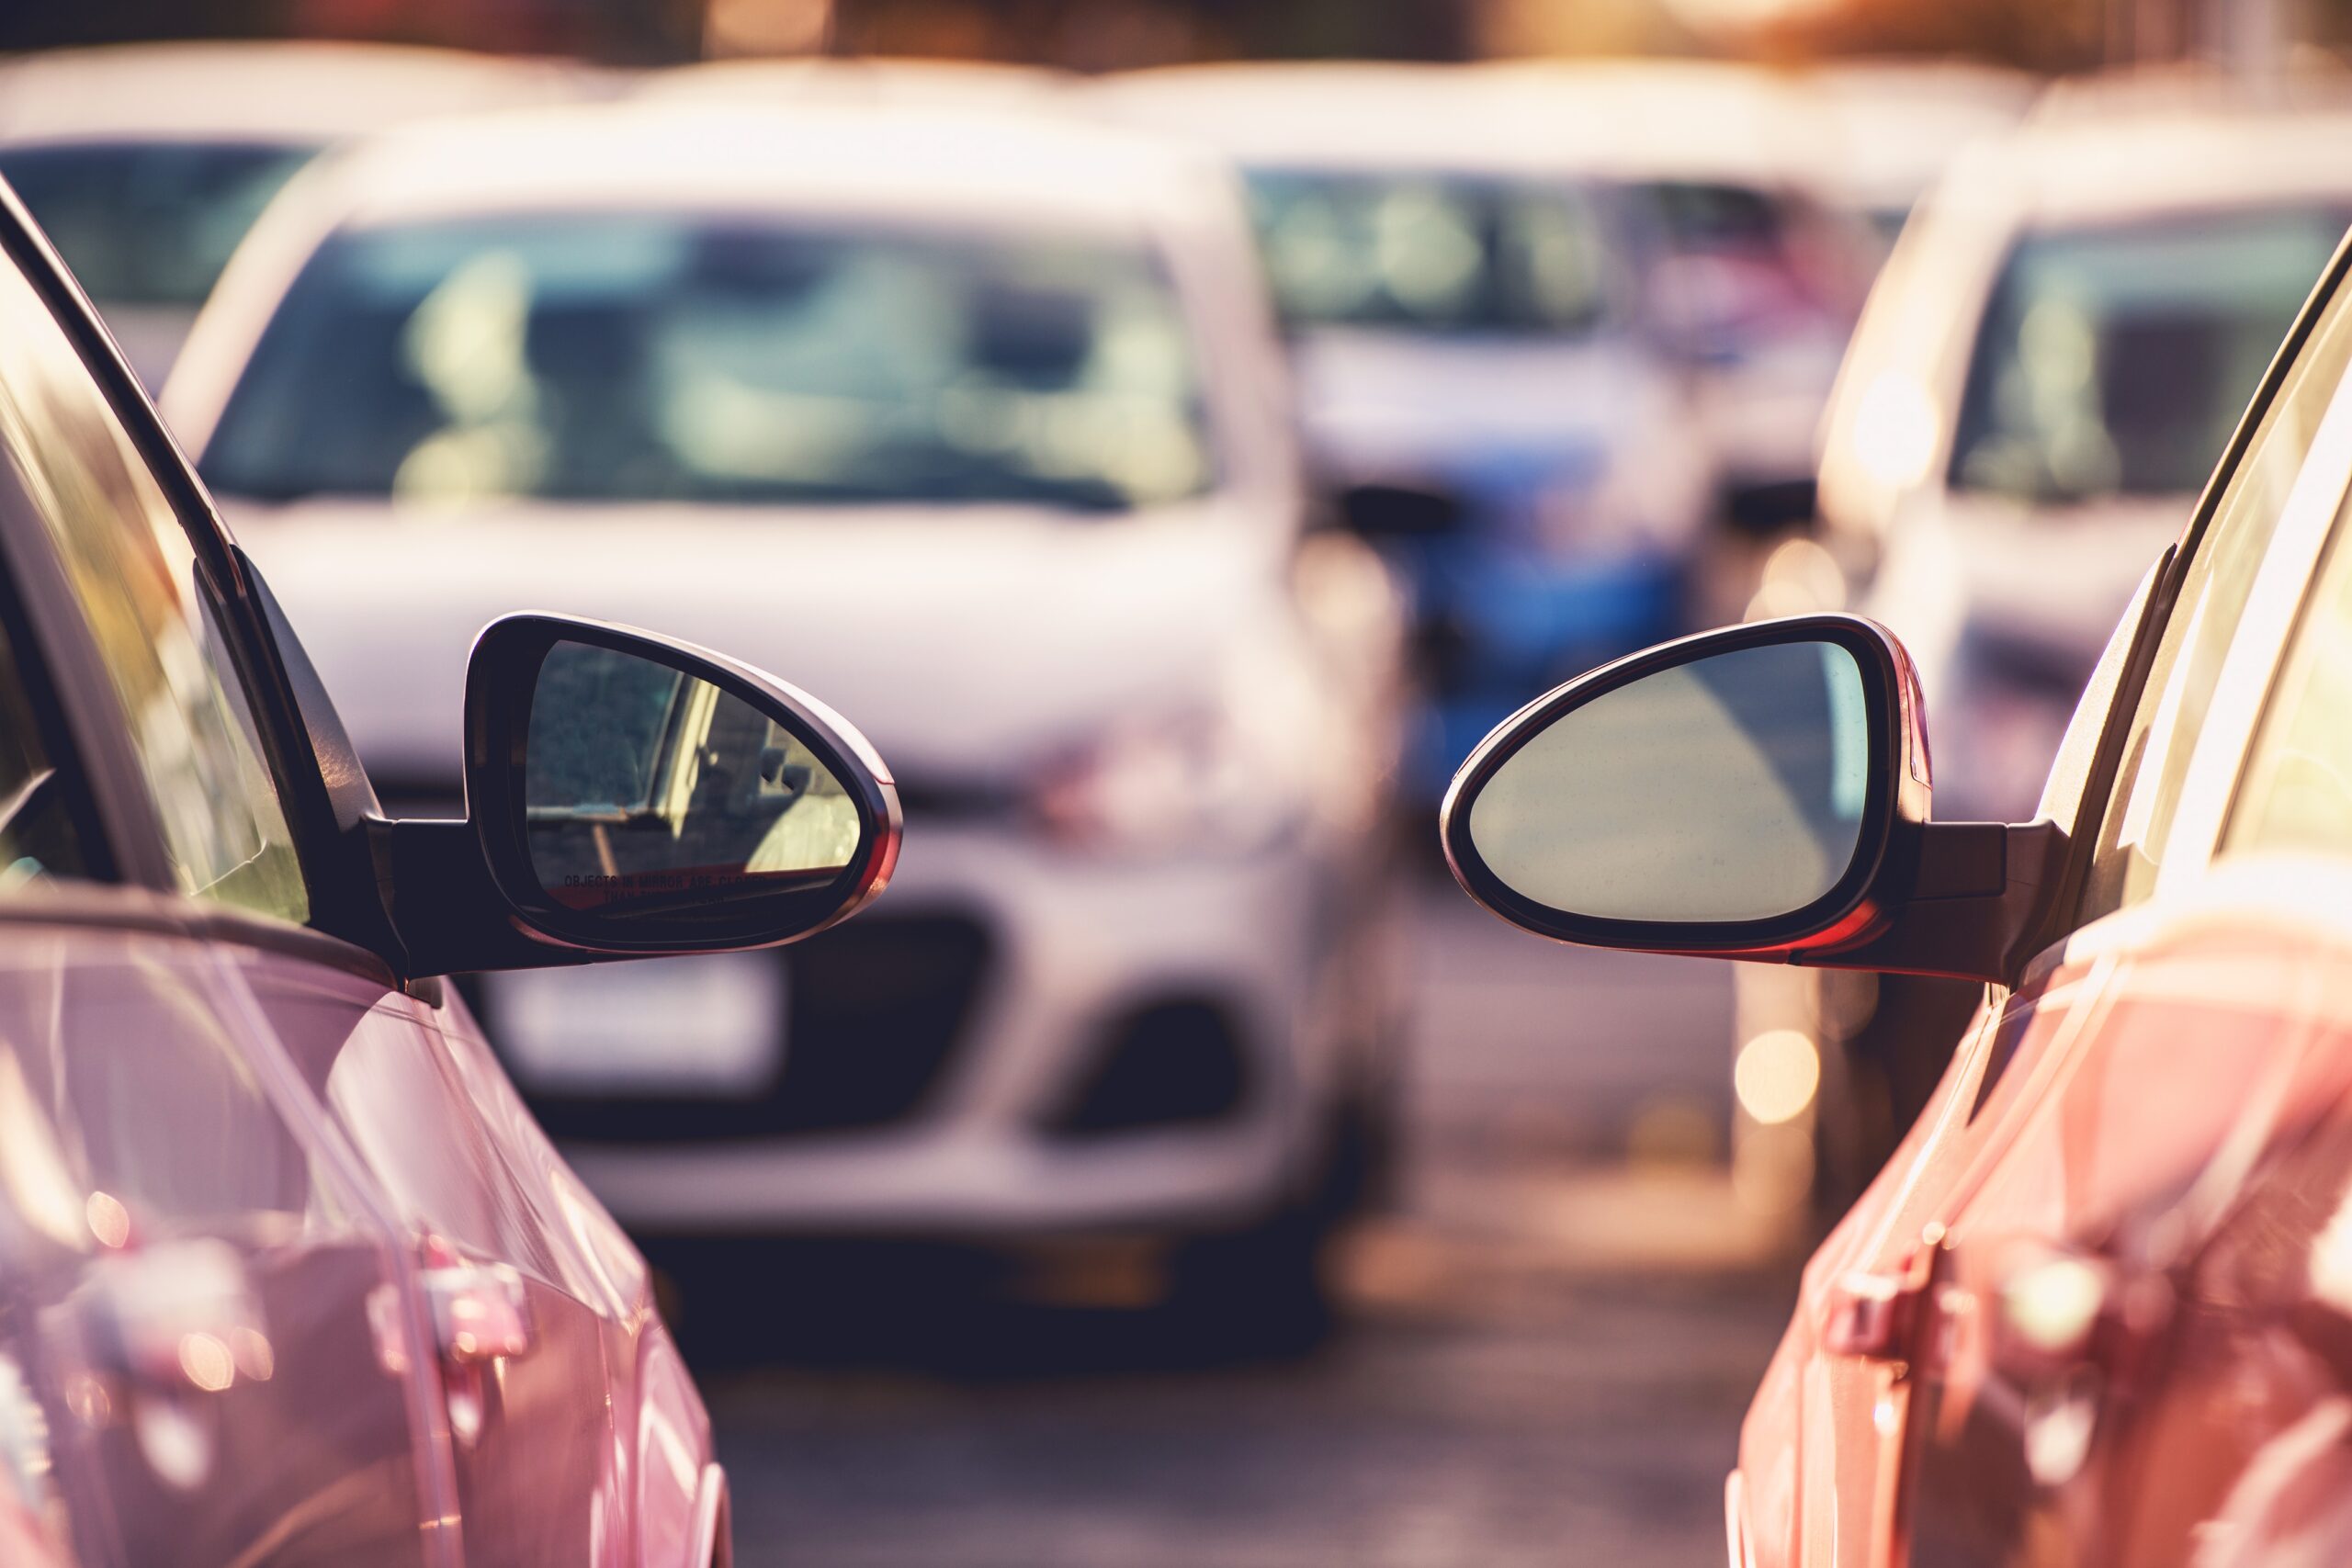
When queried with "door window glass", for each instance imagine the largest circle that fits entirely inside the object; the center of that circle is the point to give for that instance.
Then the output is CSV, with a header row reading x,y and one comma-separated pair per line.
x,y
132,570
2297,792
2137,822
39,835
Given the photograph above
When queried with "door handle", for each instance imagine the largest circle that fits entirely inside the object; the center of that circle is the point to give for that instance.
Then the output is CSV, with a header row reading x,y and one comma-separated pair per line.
x,y
1871,1316
481,1311
481,1316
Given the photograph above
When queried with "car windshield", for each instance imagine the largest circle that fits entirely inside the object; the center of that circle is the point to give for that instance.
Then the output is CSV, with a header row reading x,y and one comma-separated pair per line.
x,y
148,224
2116,361
661,357
1430,252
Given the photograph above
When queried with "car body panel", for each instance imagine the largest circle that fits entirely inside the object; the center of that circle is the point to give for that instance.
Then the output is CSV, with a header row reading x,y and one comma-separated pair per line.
x,y
151,1135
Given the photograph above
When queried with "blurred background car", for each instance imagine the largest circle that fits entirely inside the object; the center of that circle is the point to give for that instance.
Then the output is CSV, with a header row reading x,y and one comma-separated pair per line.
x,y
1004,383
2047,371
1475,379
1756,268
145,164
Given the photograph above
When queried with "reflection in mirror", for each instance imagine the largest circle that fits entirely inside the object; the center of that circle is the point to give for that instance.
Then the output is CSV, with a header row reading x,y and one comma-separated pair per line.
x,y
1729,788
645,787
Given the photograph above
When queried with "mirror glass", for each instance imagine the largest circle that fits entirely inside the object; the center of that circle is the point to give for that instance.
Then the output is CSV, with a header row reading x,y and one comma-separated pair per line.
x,y
645,787
1728,788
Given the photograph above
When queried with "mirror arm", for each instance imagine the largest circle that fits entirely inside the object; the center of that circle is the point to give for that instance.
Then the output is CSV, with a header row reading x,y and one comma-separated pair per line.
x,y
1979,893
448,912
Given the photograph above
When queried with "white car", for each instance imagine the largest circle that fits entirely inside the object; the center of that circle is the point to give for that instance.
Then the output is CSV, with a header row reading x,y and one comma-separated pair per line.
x,y
992,400
2050,365
1462,291
2047,371
146,163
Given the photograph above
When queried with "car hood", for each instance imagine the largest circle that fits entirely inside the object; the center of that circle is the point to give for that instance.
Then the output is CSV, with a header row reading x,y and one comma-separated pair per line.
x,y
1399,406
965,644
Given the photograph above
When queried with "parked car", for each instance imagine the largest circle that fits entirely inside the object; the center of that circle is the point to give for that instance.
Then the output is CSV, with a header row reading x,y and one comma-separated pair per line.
x,y
832,381
1475,376
2095,1308
2042,380
146,163
287,1272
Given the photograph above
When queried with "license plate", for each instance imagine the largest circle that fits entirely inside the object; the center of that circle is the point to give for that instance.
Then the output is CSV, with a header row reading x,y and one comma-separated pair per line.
x,y
711,1026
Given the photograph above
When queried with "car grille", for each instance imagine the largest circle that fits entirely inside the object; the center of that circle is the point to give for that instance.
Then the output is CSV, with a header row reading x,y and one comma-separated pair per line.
x,y
877,1006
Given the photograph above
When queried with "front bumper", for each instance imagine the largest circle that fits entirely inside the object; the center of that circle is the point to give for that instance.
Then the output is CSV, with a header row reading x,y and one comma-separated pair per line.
x,y
1071,944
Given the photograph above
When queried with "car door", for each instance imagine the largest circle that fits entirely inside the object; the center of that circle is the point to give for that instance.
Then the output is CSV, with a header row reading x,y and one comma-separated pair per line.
x,y
542,1464
200,1307
1842,1379
2050,1254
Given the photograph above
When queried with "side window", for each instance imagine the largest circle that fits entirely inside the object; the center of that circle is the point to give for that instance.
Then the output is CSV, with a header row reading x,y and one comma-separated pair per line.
x,y
133,573
2136,826
39,835
2296,792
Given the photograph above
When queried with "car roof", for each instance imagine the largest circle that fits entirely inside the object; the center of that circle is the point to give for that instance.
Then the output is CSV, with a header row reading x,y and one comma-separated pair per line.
x,y
1002,166
278,90
2098,154
1606,119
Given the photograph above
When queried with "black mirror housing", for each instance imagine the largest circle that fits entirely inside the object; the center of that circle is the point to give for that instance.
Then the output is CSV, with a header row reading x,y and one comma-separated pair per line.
x,y
1913,895
624,794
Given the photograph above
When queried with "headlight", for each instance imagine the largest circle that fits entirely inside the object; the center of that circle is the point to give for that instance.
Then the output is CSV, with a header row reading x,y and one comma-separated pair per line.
x,y
1180,783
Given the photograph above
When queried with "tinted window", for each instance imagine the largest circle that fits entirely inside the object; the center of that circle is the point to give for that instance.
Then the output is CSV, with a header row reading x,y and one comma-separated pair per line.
x,y
662,358
38,836
2136,825
148,224
132,573
2118,360
1430,252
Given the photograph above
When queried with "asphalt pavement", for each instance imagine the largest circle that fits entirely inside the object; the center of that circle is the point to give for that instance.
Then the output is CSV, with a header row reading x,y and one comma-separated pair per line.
x,y
1544,1355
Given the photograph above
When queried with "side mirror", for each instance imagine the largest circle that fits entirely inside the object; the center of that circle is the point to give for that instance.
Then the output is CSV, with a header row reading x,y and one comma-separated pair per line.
x,y
629,794
1759,792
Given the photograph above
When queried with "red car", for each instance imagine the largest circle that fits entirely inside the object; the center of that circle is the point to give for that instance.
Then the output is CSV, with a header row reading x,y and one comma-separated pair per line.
x,y
287,1273
2097,1308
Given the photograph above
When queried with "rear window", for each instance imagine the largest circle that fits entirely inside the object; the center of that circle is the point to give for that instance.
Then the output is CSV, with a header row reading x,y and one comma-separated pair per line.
x,y
2117,361
148,224
1431,252
656,357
